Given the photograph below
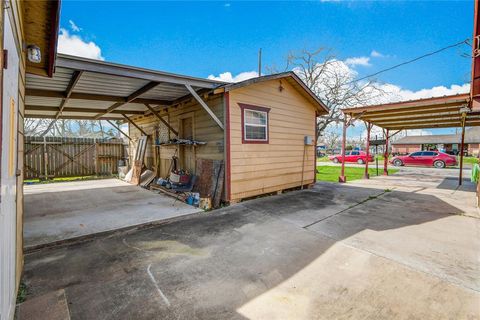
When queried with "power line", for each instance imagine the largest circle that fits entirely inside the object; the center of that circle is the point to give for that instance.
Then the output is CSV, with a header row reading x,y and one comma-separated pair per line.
x,y
410,61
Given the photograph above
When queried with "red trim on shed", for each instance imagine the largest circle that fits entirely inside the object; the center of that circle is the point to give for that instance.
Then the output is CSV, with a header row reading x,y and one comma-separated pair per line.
x,y
228,179
244,106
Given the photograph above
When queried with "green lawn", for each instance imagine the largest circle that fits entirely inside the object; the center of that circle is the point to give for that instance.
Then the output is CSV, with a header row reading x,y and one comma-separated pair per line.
x,y
64,179
331,173
470,160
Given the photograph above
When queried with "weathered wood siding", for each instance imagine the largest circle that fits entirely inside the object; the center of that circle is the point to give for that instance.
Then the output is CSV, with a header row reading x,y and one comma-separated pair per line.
x,y
262,168
70,157
204,128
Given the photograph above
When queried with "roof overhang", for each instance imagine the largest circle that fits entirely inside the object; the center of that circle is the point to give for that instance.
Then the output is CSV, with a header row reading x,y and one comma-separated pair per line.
x,y
442,112
291,78
90,89
41,23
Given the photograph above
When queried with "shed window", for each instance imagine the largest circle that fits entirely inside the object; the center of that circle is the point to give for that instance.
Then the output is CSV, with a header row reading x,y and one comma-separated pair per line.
x,y
255,124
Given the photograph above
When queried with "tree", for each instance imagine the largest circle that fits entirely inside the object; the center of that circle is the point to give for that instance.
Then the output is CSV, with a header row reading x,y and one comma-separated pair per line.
x,y
70,128
331,139
333,81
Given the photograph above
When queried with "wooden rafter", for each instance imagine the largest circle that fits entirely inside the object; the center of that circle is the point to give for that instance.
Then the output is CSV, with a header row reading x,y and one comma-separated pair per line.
x,y
41,116
428,121
413,116
91,97
80,110
134,124
73,82
426,111
149,86
119,130
156,114
205,106
468,123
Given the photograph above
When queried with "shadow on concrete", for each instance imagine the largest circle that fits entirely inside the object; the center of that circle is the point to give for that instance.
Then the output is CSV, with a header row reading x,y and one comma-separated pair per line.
x,y
208,266
451,183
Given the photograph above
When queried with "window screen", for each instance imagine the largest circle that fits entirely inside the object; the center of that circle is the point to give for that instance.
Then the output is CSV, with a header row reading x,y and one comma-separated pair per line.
x,y
256,125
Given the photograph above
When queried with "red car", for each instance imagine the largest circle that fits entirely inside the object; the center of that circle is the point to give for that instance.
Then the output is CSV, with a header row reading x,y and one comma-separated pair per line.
x,y
352,156
425,158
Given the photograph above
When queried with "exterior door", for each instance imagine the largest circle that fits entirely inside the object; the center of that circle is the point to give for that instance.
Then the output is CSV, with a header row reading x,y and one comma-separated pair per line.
x,y
8,212
187,153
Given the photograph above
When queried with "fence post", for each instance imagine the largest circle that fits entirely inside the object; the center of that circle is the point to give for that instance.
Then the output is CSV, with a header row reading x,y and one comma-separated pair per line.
x,y
95,155
45,157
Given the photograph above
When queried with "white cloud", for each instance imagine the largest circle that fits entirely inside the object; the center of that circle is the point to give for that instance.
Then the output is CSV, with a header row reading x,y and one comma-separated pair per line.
x,y
358,61
376,54
228,77
76,46
396,93
74,27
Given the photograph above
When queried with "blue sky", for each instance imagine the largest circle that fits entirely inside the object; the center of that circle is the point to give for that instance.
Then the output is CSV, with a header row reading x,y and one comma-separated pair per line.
x,y
205,38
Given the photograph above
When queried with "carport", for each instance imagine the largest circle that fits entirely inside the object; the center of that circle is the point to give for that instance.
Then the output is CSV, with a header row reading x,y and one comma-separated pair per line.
x,y
442,112
95,90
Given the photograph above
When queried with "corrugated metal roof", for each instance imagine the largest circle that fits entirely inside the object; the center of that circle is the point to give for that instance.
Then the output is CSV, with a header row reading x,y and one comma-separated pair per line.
x,y
101,85
472,135
436,112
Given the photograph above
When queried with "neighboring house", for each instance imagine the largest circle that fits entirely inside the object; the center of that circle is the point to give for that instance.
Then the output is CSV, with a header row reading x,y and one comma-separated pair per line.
x,y
449,143
266,120
26,26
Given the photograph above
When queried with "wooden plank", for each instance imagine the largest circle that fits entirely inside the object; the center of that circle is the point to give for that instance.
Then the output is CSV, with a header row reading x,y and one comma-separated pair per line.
x,y
91,97
149,86
134,124
205,106
137,171
119,130
161,119
80,110
73,82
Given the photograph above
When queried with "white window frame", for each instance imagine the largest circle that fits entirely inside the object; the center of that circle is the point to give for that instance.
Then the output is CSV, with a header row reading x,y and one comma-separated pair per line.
x,y
245,124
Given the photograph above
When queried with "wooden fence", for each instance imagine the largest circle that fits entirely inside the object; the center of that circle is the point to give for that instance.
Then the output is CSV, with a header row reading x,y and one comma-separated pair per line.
x,y
49,157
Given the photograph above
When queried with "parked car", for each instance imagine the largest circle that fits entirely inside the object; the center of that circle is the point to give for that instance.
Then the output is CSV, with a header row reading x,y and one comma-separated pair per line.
x,y
425,158
352,156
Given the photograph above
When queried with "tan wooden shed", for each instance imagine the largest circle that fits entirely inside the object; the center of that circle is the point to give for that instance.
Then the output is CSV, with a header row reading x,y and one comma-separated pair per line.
x,y
266,122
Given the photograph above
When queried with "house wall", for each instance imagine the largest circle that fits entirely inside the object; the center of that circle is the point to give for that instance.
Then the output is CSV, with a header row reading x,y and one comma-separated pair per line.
x,y
256,169
406,148
19,26
204,127
473,149
12,135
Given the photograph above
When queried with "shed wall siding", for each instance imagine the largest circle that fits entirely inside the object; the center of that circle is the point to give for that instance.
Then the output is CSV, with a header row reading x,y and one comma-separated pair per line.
x,y
205,129
262,168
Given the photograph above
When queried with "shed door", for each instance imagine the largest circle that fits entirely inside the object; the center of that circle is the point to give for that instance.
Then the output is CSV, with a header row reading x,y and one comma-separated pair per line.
x,y
8,175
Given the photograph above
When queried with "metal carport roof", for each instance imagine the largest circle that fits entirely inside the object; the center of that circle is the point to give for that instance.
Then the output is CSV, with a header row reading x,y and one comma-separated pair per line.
x,y
438,112
90,89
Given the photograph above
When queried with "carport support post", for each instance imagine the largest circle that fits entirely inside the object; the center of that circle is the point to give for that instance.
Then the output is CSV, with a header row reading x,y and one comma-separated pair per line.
x,y
462,145
369,128
385,155
342,177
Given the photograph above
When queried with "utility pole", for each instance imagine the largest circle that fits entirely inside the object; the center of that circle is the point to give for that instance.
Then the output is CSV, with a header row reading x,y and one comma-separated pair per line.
x,y
260,62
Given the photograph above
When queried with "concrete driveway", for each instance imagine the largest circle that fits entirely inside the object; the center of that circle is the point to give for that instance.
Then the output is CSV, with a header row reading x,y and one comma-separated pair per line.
x,y
66,211
354,251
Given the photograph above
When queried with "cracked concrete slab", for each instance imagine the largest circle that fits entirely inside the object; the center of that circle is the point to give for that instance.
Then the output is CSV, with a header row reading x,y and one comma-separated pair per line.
x,y
62,211
373,254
